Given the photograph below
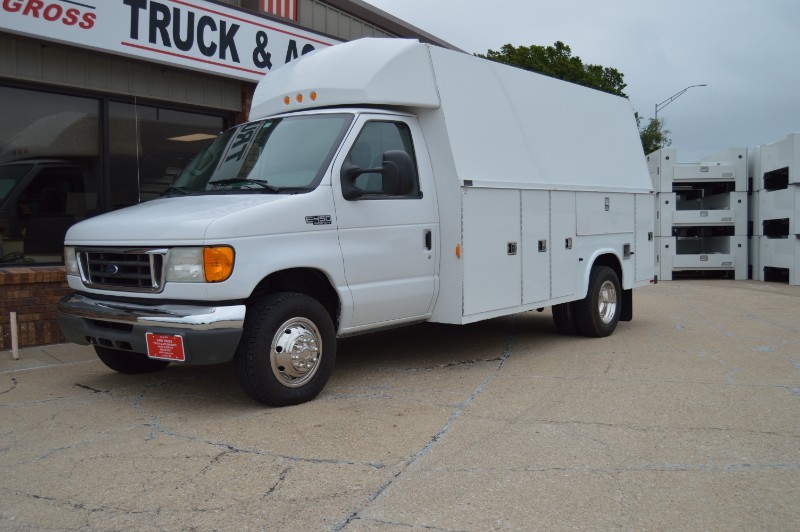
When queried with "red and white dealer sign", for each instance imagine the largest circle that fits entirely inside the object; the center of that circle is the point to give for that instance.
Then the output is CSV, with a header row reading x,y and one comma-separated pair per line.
x,y
198,35
165,347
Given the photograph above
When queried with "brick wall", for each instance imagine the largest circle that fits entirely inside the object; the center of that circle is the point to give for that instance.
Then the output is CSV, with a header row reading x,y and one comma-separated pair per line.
x,y
33,293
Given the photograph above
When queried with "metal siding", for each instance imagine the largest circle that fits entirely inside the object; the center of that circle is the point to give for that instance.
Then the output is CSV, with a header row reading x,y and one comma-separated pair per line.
x,y
28,64
332,22
77,68
53,64
318,16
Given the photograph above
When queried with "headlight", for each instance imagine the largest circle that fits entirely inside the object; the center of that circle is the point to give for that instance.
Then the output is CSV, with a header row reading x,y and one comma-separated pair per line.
x,y
71,261
198,265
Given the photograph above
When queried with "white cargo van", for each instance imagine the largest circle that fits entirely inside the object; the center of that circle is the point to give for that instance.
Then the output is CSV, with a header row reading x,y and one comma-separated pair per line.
x,y
380,183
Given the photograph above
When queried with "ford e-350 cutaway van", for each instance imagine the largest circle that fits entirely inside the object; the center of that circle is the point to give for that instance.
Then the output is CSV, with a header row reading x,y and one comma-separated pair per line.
x,y
379,183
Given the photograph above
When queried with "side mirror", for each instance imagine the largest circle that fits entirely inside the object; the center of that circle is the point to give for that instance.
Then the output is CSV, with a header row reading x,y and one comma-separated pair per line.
x,y
350,173
397,176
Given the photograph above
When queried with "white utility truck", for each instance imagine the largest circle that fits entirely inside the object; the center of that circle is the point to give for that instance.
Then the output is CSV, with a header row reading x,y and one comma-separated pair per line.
x,y
379,183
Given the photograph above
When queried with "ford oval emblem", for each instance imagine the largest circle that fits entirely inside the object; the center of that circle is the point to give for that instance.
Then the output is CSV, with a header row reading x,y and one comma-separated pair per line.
x,y
111,269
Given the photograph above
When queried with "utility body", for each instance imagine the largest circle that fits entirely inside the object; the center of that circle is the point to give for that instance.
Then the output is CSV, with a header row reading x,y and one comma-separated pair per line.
x,y
379,183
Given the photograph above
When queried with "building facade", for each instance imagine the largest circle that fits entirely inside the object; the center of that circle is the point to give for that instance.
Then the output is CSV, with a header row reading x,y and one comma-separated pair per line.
x,y
103,102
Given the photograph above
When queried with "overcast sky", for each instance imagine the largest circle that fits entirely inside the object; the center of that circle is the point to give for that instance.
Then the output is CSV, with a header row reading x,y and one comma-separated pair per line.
x,y
746,51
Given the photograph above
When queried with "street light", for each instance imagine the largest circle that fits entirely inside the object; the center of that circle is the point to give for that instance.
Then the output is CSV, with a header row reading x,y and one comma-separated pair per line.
x,y
674,97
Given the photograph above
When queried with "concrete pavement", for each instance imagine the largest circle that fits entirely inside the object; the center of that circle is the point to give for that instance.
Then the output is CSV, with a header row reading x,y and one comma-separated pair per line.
x,y
686,417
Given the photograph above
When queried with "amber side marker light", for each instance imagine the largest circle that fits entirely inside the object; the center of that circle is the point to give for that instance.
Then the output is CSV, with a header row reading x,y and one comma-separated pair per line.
x,y
299,98
287,100
458,250
313,96
217,263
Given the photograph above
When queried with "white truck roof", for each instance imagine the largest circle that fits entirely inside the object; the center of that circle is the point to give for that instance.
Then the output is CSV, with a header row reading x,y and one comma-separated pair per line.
x,y
507,127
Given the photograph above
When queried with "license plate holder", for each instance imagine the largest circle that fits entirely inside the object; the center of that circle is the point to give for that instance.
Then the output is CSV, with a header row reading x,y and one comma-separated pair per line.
x,y
165,347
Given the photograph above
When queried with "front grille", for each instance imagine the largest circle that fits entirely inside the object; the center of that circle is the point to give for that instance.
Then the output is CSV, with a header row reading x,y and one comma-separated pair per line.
x,y
121,269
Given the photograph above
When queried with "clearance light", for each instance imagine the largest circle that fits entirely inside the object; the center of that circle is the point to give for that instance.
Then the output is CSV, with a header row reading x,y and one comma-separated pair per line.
x,y
458,250
217,263
313,96
299,98
287,100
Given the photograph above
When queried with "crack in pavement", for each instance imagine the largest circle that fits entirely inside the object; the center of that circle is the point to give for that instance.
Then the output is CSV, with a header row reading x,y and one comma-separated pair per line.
x,y
93,390
457,413
456,363
227,448
14,383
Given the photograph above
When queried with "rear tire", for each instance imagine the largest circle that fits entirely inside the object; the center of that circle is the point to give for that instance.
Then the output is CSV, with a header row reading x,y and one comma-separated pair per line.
x,y
564,318
287,351
128,362
598,313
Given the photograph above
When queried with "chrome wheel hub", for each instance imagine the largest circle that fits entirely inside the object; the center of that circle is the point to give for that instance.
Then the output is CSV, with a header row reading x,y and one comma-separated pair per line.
x,y
607,302
296,352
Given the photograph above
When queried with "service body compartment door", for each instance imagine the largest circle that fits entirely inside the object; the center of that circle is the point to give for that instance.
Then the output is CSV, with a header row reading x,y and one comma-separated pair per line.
x,y
604,213
644,242
491,249
564,260
536,246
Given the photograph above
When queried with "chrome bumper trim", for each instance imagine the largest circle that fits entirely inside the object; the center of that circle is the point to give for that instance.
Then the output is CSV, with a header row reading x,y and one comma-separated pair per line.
x,y
192,317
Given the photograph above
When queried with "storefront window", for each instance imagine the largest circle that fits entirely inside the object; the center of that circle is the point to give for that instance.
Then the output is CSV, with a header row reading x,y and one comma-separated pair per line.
x,y
49,170
149,146
52,161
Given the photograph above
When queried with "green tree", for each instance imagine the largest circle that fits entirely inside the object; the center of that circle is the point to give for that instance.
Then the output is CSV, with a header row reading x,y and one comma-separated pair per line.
x,y
653,135
558,62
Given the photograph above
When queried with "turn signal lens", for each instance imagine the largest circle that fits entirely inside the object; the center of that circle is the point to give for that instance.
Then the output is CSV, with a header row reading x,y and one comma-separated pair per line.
x,y
218,263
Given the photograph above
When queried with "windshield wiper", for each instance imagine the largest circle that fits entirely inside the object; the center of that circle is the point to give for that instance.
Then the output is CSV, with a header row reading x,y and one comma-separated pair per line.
x,y
235,180
176,191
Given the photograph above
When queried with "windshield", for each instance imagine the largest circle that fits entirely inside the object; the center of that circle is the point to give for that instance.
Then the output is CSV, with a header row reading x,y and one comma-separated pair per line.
x,y
10,175
280,155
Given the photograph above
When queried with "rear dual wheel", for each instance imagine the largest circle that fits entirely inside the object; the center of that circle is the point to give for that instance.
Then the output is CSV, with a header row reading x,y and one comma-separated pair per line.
x,y
598,313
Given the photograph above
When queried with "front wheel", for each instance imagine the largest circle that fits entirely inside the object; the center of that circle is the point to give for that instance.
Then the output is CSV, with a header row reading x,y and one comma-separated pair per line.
x,y
598,313
287,351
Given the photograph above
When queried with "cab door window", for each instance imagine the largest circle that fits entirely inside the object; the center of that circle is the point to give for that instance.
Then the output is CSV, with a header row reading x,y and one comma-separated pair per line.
x,y
375,139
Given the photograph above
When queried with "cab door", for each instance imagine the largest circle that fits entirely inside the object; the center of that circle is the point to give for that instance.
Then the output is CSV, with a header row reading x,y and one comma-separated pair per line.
x,y
388,234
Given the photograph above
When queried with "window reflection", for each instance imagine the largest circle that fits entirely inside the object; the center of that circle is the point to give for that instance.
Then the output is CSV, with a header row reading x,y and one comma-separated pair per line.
x,y
49,170
51,164
150,146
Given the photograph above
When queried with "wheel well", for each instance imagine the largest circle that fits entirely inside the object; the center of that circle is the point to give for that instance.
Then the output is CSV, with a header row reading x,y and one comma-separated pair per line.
x,y
612,262
307,281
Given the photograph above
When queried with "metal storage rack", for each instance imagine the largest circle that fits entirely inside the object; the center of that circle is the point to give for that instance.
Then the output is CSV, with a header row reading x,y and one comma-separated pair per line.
x,y
701,213
775,172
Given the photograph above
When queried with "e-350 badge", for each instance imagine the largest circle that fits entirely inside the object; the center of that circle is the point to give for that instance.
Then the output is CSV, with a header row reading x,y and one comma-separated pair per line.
x,y
321,219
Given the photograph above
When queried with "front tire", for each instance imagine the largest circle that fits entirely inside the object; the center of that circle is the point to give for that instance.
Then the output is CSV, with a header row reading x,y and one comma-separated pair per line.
x,y
598,313
127,362
287,351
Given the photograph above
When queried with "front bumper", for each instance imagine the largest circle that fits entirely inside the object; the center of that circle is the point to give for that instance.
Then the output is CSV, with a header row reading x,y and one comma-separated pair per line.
x,y
211,334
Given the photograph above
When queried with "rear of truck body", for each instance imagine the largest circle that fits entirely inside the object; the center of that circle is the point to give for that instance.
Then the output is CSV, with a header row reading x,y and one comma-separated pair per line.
x,y
454,190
